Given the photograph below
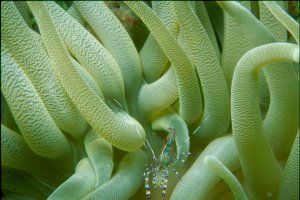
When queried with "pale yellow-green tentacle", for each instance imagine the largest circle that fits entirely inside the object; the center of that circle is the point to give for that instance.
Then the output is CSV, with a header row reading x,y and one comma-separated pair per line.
x,y
24,11
154,61
90,54
26,47
118,42
202,14
35,123
198,180
126,181
284,18
73,187
215,165
215,120
159,95
255,150
15,153
269,20
289,186
73,11
189,92
121,131
100,154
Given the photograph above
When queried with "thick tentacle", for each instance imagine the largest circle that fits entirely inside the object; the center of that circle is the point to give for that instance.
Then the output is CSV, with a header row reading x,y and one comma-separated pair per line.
x,y
269,20
73,11
221,170
284,18
240,23
159,95
121,132
215,120
118,42
26,47
189,92
255,150
73,188
35,123
90,53
198,180
202,14
15,153
154,61
125,182
289,186
100,153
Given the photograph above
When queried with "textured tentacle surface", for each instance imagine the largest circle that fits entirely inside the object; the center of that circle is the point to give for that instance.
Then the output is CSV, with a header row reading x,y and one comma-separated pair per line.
x,y
99,62
37,127
202,14
117,41
124,135
289,187
16,154
246,120
126,181
159,95
189,92
218,168
270,21
285,19
198,180
153,58
149,100
72,188
26,47
100,153
209,72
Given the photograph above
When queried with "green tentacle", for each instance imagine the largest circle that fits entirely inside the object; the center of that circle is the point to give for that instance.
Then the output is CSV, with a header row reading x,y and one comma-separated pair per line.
x,y
73,11
202,14
90,54
15,153
198,180
189,92
118,42
27,49
284,18
121,131
215,165
215,120
100,153
289,186
255,151
269,20
73,188
35,123
24,11
159,95
240,23
126,181
154,61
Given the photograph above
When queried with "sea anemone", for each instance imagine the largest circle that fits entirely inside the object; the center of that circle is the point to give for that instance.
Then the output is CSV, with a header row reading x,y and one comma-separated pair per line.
x,y
208,101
